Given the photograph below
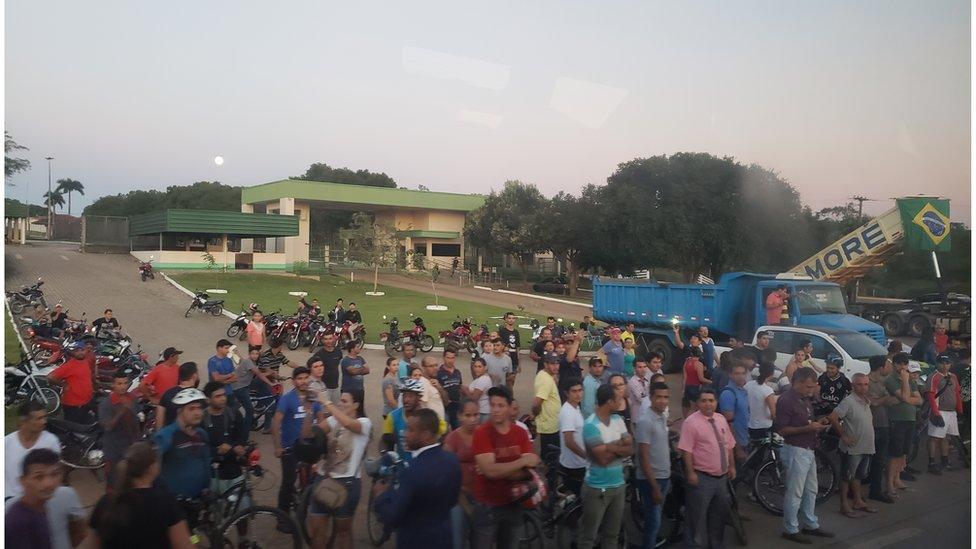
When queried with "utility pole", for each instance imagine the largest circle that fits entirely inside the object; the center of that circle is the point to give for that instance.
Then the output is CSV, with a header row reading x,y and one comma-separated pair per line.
x,y
860,205
49,231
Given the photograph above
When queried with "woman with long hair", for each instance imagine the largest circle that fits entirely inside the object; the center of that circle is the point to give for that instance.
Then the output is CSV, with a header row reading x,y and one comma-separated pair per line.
x,y
924,350
348,431
391,385
136,514
762,402
480,383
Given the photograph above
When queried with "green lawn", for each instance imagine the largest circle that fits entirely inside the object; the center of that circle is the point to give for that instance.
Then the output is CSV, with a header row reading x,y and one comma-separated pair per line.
x,y
271,293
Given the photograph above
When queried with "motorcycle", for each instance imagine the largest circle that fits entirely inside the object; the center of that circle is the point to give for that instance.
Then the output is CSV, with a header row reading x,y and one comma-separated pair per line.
x,y
81,444
146,269
238,328
319,328
350,331
303,334
284,329
394,339
25,380
28,296
460,335
202,301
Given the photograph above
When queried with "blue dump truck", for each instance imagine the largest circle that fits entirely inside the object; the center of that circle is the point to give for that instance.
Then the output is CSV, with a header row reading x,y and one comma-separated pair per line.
x,y
735,307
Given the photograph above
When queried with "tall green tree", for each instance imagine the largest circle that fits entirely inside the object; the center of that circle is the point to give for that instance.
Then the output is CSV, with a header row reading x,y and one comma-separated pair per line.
x,y
568,231
509,222
53,200
13,165
202,195
321,171
68,186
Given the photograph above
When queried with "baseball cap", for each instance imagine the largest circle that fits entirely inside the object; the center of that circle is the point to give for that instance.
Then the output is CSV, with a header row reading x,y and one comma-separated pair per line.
x,y
170,351
550,357
944,357
914,367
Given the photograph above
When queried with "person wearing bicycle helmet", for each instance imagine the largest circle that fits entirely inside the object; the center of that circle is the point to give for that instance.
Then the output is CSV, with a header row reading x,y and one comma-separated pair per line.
x,y
76,375
834,385
185,447
395,425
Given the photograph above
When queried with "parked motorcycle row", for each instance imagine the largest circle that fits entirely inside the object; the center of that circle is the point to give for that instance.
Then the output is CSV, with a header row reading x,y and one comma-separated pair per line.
x,y
298,330
109,351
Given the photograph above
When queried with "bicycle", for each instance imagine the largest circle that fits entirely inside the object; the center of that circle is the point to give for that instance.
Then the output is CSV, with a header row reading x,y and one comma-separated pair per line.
x,y
769,483
264,406
220,518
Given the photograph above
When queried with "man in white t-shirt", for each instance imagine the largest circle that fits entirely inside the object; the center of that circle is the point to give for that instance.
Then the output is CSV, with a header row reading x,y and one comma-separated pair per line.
x,y
434,394
572,453
65,517
30,435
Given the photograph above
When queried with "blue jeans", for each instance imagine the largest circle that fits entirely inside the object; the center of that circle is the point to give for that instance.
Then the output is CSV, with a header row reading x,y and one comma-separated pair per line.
x,y
652,511
800,499
460,527
244,398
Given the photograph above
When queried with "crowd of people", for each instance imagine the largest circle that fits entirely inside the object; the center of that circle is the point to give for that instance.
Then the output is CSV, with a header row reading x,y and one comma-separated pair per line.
x,y
470,454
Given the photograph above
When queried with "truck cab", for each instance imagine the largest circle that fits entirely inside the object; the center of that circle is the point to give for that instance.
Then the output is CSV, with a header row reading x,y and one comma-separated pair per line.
x,y
816,305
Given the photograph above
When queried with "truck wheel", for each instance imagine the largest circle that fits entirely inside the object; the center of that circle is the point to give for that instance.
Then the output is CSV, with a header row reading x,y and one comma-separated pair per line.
x,y
917,325
893,326
663,346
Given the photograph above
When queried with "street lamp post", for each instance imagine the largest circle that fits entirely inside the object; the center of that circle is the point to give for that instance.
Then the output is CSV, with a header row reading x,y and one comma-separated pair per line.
x,y
49,231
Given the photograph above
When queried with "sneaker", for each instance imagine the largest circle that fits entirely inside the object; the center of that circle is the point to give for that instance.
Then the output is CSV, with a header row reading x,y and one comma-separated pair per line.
x,y
820,533
934,469
911,470
797,538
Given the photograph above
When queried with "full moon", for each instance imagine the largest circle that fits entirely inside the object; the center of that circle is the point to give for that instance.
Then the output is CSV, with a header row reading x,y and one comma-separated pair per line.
x,y
219,160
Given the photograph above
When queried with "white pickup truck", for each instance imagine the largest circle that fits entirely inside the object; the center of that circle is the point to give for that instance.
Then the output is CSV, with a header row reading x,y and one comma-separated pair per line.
x,y
854,347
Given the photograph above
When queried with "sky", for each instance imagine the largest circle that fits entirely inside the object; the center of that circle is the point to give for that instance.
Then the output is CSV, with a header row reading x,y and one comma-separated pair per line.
x,y
838,97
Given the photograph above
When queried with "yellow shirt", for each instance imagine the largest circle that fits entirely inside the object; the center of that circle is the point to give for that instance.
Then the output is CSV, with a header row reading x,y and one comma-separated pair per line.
x,y
547,422
625,335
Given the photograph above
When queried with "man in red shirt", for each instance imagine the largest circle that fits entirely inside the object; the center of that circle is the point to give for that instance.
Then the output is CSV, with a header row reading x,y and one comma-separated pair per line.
x,y
774,304
76,374
163,377
502,453
945,402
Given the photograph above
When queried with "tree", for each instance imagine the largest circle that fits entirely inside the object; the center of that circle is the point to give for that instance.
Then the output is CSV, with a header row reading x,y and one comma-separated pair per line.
x,y
324,172
53,200
12,165
68,186
509,223
202,195
567,233
371,243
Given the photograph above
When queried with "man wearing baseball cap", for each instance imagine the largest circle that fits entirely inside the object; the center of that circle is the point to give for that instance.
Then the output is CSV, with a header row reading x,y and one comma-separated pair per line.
x,y
163,377
945,401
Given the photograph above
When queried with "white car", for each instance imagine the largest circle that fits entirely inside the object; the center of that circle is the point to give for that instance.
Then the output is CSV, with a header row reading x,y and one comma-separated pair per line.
x,y
854,347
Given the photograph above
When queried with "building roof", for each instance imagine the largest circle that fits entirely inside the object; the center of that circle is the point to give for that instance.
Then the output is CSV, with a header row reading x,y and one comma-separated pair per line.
x,y
341,194
214,222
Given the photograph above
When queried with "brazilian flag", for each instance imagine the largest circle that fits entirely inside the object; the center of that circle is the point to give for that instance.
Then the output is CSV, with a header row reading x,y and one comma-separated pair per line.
x,y
926,223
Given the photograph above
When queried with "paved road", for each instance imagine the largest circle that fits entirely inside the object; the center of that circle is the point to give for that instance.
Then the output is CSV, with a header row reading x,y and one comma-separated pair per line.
x,y
935,514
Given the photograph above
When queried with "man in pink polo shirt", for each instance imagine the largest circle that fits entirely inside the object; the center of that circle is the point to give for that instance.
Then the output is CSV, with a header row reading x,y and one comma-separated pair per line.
x,y
706,446
774,304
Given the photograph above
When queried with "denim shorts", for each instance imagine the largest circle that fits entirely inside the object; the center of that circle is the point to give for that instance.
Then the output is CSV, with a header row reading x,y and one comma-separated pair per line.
x,y
353,487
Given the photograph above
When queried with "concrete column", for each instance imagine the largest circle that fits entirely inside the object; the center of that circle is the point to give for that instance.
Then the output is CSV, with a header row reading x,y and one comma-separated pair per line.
x,y
286,206
24,223
223,248
303,239
247,244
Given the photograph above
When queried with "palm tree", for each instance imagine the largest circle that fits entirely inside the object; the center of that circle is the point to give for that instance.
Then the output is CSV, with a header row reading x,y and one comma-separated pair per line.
x,y
68,186
54,199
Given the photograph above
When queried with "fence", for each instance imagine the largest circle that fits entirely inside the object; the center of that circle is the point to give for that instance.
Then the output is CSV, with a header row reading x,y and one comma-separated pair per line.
x,y
102,233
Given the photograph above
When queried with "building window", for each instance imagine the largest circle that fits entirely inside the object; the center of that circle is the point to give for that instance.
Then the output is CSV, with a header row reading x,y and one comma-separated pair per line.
x,y
420,249
445,250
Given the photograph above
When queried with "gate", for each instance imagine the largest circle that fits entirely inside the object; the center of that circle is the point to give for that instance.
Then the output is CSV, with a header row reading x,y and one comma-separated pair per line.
x,y
102,233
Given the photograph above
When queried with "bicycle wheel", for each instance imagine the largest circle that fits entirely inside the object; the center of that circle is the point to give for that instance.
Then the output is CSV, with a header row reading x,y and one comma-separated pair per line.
x,y
735,519
769,486
828,477
567,529
375,529
258,528
530,532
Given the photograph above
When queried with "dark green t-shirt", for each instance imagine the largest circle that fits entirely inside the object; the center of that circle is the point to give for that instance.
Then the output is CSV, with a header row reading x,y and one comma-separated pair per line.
x,y
901,411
